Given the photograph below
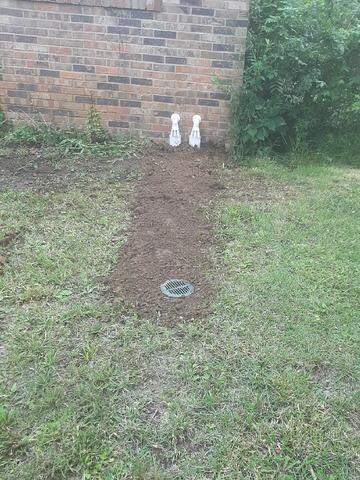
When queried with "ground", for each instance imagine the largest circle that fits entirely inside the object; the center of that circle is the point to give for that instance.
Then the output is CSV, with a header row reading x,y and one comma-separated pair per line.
x,y
258,379
169,235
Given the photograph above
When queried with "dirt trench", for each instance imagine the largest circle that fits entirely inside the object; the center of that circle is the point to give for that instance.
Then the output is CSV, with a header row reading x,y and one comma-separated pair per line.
x,y
170,233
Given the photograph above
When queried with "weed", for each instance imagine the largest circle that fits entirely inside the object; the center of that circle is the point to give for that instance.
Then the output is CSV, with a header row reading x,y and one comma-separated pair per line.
x,y
56,140
96,132
5,124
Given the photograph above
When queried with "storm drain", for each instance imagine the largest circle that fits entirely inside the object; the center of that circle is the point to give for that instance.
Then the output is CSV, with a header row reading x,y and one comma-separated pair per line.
x,y
177,288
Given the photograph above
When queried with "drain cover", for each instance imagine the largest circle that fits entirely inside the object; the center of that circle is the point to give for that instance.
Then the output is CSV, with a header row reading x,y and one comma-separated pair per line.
x,y
177,288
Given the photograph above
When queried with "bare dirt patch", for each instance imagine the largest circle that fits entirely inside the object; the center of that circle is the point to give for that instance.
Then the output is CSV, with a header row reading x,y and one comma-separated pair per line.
x,y
170,234
39,174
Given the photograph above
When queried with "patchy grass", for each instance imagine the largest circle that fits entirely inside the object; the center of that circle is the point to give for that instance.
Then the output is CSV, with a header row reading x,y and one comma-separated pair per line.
x,y
267,388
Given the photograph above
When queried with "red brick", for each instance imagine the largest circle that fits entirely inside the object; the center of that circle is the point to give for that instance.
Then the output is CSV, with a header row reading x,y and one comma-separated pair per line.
x,y
60,50
46,7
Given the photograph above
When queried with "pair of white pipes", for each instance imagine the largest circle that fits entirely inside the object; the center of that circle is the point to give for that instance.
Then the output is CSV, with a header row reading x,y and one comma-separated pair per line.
x,y
175,136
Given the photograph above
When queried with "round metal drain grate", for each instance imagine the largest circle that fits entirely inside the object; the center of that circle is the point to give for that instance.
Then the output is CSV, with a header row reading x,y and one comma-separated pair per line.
x,y
177,288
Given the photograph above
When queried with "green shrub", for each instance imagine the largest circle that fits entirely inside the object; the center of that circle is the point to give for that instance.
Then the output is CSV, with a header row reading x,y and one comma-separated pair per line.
x,y
302,75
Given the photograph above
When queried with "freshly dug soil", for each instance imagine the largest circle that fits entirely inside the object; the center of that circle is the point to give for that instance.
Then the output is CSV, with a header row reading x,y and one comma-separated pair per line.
x,y
170,235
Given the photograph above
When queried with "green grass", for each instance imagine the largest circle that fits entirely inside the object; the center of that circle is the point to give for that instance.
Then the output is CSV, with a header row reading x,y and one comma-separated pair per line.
x,y
266,388
291,311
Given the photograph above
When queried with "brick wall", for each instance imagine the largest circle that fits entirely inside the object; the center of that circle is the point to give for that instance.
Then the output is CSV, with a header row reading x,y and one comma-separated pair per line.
x,y
140,65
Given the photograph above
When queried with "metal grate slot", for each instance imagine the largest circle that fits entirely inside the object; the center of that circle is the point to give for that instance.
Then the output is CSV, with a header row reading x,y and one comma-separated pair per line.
x,y
177,288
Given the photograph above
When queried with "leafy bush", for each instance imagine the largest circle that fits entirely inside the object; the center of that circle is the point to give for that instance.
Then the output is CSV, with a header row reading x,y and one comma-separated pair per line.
x,y
302,75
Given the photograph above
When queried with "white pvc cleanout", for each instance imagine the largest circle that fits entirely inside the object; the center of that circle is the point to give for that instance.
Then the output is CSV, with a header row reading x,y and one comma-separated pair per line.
x,y
175,137
195,138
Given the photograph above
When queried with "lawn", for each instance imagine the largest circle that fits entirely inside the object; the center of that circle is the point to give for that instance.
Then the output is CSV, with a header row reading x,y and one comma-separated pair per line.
x,y
265,388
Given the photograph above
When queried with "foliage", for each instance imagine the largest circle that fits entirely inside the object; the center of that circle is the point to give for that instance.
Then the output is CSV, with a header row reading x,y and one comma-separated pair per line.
x,y
302,75
2,118
5,125
37,134
94,140
95,130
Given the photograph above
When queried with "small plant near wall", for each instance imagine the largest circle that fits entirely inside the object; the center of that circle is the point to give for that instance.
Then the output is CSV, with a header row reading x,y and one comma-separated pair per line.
x,y
5,124
302,76
2,118
96,132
